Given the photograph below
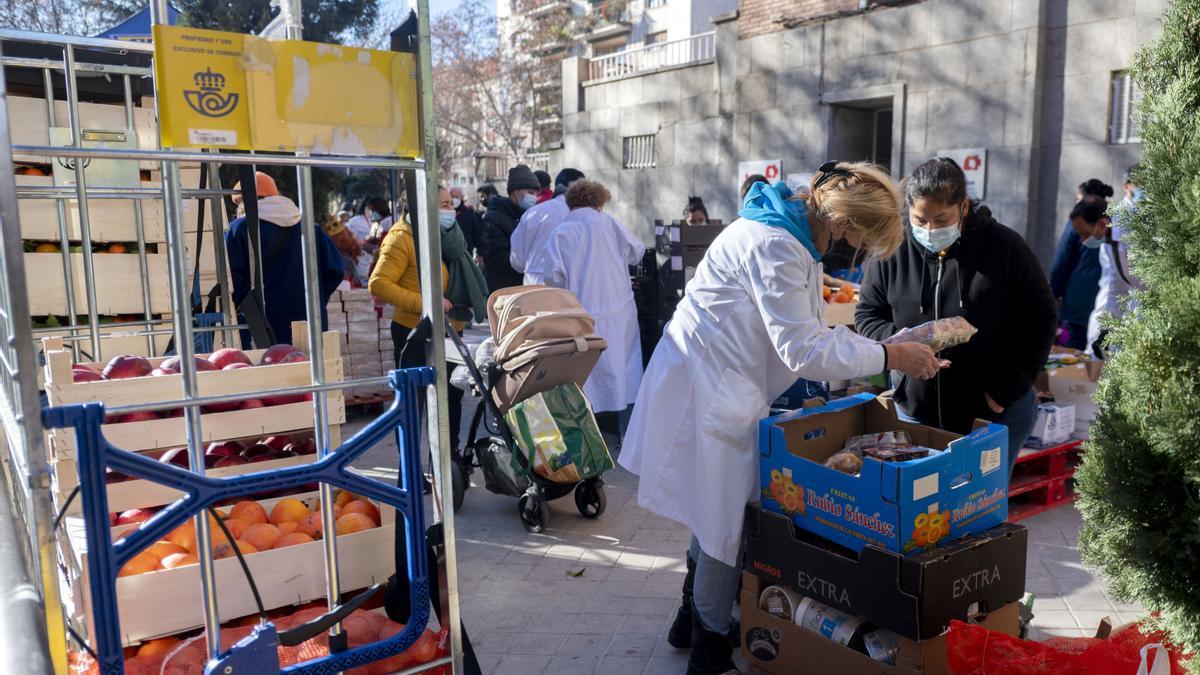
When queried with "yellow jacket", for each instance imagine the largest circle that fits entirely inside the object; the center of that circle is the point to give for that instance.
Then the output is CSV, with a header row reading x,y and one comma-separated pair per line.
x,y
396,279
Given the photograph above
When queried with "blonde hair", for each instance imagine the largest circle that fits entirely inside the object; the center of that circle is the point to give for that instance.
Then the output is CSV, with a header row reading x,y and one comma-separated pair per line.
x,y
865,198
587,193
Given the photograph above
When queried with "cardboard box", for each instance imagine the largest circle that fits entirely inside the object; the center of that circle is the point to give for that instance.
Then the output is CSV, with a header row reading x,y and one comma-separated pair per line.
x,y
1076,385
780,647
915,596
959,488
1054,425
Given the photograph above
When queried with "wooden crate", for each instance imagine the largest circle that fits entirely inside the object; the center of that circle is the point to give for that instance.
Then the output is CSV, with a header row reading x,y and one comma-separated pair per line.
x,y
166,433
108,219
30,124
840,313
118,278
166,602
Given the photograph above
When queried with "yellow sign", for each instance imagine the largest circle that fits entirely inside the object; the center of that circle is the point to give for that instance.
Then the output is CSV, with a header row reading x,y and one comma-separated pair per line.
x,y
202,88
284,95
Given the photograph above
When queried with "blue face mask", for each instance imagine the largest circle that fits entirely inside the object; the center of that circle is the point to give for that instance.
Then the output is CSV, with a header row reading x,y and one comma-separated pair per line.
x,y
528,201
1092,243
938,239
446,219
1138,195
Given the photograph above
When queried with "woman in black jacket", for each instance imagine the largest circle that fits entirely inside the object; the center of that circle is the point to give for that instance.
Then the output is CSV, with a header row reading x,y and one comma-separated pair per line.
x,y
958,261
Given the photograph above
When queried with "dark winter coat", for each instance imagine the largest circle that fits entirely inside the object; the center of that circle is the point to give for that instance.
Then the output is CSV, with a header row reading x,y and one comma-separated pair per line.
x,y
498,225
471,226
1075,277
992,278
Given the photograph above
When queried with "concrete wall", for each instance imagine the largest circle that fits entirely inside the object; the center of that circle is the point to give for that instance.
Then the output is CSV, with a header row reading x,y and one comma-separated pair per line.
x,y
1027,79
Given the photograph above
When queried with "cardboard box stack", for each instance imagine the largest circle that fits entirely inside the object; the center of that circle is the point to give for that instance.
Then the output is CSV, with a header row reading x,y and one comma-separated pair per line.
x,y
863,569
366,338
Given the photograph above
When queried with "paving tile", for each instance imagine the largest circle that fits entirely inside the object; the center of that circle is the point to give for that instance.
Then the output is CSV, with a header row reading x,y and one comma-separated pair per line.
x,y
622,665
1088,601
522,664
1090,620
585,644
606,624
620,573
488,662
536,643
668,665
646,625
652,606
563,664
1053,619
632,644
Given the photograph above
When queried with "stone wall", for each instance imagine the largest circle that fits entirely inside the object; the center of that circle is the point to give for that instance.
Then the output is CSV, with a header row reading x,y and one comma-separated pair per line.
x,y
1027,79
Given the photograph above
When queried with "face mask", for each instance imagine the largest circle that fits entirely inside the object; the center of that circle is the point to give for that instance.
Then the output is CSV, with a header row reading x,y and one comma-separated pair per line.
x,y
1092,243
446,219
1138,195
455,203
528,201
937,240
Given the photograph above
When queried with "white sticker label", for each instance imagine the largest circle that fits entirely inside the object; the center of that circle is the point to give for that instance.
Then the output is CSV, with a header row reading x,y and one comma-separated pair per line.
x,y
787,472
677,262
658,230
212,137
924,487
674,234
989,461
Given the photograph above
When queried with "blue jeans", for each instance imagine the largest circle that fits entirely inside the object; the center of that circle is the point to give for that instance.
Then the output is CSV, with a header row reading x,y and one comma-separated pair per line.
x,y
714,589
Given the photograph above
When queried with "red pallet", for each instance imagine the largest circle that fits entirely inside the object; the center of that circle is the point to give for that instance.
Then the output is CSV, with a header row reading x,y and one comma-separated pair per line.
x,y
1042,480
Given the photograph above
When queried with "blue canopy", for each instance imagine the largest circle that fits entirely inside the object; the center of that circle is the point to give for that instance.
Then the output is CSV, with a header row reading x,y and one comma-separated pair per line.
x,y
136,26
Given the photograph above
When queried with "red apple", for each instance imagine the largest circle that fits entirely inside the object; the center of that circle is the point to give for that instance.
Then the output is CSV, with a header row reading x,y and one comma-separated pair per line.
x,y
251,403
111,476
223,358
112,519
225,449
230,461
176,456
256,450
237,366
85,375
142,416
174,412
277,442
259,458
126,366
171,365
280,454
295,357
305,446
275,354
134,516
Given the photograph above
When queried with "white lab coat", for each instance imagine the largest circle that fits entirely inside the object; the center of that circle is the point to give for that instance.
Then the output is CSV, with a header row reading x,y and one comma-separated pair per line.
x,y
748,325
589,254
1110,298
533,229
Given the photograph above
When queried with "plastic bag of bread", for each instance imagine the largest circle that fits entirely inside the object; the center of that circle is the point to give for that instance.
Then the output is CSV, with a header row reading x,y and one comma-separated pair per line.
x,y
941,334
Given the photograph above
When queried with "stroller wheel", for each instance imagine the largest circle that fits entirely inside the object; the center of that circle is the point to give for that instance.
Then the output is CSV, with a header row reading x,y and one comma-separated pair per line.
x,y
590,499
535,512
458,482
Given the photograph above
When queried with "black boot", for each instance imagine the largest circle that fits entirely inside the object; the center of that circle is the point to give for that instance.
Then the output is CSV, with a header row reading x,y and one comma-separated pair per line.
x,y
712,653
680,635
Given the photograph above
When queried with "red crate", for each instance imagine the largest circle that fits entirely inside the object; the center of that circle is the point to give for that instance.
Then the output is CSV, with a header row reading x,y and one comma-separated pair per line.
x,y
1043,479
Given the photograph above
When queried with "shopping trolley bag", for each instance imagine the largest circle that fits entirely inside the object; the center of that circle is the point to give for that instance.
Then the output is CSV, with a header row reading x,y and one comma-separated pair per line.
x,y
557,433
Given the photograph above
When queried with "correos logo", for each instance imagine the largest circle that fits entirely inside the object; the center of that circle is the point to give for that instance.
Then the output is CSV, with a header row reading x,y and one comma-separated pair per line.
x,y
208,98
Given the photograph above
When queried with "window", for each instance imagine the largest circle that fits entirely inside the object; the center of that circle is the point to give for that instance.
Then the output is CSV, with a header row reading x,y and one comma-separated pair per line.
x,y
656,38
638,152
651,4
1123,125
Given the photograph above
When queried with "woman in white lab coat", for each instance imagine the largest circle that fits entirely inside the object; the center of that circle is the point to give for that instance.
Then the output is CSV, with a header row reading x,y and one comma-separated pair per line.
x,y
750,323
589,254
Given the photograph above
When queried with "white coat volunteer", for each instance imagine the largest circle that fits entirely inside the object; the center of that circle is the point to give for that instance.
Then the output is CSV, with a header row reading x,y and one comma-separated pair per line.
x,y
537,223
750,323
589,254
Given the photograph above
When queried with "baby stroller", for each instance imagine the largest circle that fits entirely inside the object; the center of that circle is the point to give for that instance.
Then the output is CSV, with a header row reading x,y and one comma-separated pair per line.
x,y
543,339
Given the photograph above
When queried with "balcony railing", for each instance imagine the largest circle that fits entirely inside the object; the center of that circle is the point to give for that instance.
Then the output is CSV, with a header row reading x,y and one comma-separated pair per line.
x,y
695,49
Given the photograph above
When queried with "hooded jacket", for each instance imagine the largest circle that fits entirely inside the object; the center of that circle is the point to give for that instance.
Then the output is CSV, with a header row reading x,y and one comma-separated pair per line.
x,y
283,279
1075,277
498,224
992,278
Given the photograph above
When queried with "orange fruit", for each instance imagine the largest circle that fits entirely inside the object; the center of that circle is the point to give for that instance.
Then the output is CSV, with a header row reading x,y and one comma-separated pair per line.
x,y
287,528
344,497
156,647
47,248
363,506
312,525
293,539
826,292
288,509
236,527
354,522
179,560
251,512
225,550
162,549
140,564
184,536
262,536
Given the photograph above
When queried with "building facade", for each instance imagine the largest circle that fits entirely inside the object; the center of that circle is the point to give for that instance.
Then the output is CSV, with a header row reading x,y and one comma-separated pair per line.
x,y
1031,94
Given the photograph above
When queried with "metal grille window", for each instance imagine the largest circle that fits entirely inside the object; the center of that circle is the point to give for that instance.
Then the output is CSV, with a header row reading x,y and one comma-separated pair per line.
x,y
1123,124
638,152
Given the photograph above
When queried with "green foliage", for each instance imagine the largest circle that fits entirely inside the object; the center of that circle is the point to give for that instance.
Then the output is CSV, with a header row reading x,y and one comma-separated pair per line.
x,y
324,20
1139,484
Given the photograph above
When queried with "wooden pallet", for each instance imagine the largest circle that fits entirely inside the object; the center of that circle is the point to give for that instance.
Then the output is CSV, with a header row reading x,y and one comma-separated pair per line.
x,y
1042,480
167,602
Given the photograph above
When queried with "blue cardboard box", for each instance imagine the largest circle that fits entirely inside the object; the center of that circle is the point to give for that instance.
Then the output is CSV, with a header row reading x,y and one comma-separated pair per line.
x,y
905,507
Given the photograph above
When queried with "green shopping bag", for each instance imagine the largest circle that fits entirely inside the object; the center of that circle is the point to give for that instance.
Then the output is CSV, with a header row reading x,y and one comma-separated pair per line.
x,y
558,434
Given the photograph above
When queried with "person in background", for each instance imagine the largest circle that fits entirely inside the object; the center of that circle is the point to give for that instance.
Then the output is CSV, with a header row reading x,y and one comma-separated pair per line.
x,y
695,213
503,214
748,325
283,267
468,220
537,223
368,228
348,247
484,193
589,253
1075,273
1116,278
956,260
544,194
749,182
344,215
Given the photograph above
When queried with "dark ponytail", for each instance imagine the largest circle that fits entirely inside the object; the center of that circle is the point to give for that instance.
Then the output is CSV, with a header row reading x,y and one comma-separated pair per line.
x,y
1094,187
695,205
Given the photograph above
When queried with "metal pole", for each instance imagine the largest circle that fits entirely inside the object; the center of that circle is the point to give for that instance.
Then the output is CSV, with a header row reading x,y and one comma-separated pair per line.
x,y
328,161
431,298
185,348
217,217
139,225
312,293
85,227
64,235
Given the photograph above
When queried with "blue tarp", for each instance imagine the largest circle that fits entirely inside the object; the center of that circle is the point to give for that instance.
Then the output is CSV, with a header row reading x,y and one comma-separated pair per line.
x,y
137,26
